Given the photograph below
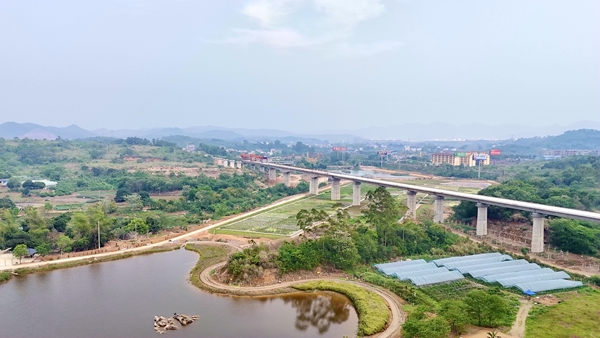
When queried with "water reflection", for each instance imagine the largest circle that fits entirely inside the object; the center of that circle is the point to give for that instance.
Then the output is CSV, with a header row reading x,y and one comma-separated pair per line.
x,y
320,311
118,299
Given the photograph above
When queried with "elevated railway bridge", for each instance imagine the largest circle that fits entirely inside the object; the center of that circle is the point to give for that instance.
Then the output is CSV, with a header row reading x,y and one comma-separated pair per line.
x,y
539,211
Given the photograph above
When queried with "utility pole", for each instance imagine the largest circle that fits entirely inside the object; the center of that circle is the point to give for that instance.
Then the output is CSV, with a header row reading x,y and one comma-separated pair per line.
x,y
98,234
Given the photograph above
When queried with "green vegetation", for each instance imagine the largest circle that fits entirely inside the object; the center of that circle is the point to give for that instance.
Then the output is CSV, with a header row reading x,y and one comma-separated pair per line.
x,y
576,316
250,262
20,251
282,219
193,198
571,183
5,276
420,325
373,313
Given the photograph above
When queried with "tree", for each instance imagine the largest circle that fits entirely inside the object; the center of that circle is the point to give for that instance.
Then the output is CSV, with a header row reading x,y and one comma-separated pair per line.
x,y
493,334
20,251
571,236
48,207
134,201
476,304
13,183
137,225
383,213
6,203
64,244
456,314
486,308
43,249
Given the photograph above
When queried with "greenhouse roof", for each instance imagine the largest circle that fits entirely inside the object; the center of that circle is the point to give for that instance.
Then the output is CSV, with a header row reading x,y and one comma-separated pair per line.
x,y
442,261
547,285
509,282
410,274
408,268
437,278
495,277
474,267
513,268
494,259
399,263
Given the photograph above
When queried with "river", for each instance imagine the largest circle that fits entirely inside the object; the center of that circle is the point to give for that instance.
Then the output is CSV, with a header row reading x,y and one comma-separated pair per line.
x,y
120,298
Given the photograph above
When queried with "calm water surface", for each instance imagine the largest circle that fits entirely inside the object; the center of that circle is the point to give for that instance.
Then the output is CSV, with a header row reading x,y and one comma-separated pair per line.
x,y
120,298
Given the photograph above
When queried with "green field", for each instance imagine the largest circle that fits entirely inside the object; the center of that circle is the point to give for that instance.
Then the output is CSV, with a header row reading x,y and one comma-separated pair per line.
x,y
578,315
282,220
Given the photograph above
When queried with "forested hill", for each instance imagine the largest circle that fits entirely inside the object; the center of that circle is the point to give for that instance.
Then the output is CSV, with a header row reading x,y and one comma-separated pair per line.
x,y
572,139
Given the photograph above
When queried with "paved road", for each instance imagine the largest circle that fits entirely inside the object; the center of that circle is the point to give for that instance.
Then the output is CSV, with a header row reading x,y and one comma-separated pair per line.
x,y
397,315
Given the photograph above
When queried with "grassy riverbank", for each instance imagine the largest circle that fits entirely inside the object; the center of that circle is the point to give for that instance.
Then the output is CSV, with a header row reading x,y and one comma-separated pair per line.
x,y
5,276
373,313
83,261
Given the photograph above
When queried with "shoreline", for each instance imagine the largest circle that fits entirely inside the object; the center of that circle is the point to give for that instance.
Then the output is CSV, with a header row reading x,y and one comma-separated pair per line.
x,y
200,276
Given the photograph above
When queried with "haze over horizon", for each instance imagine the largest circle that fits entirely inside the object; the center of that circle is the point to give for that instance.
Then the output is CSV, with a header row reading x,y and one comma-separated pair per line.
x,y
299,65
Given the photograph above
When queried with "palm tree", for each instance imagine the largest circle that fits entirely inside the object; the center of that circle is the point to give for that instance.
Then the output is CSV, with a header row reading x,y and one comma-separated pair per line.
x,y
493,334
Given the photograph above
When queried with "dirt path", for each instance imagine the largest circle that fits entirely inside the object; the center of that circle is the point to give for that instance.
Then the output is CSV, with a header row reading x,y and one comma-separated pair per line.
x,y
394,303
518,328
165,242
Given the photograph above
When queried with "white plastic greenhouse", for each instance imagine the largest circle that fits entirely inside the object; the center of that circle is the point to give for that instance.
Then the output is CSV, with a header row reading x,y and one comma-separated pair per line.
x,y
547,285
495,277
399,263
469,268
437,278
442,261
459,264
522,267
509,282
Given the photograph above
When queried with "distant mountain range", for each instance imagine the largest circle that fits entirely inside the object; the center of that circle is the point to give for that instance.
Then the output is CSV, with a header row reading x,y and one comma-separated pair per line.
x,y
412,132
34,131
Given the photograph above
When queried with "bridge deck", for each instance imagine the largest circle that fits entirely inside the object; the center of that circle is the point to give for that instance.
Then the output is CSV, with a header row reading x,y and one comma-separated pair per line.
x,y
502,202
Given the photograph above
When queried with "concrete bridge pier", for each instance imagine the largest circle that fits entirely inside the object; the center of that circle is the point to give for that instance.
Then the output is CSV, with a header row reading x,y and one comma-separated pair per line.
x,y
335,189
537,236
356,193
411,203
314,185
438,209
286,178
272,174
482,211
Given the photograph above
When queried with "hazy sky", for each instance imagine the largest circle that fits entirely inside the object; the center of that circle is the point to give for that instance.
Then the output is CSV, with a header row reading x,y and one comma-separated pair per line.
x,y
298,65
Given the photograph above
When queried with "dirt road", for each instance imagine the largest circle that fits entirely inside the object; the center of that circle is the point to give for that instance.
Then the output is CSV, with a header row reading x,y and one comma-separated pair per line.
x,y
397,315
165,242
518,328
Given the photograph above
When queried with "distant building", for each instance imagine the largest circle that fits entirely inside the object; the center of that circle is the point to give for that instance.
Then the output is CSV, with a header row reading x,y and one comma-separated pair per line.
x,y
467,159
48,183
190,147
3,182
558,153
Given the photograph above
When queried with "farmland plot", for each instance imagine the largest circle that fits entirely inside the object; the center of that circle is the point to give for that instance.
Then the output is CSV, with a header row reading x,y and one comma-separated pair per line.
x,y
282,220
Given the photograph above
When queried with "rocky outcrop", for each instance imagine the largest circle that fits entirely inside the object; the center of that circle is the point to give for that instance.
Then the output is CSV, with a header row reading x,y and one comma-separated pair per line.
x,y
162,324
